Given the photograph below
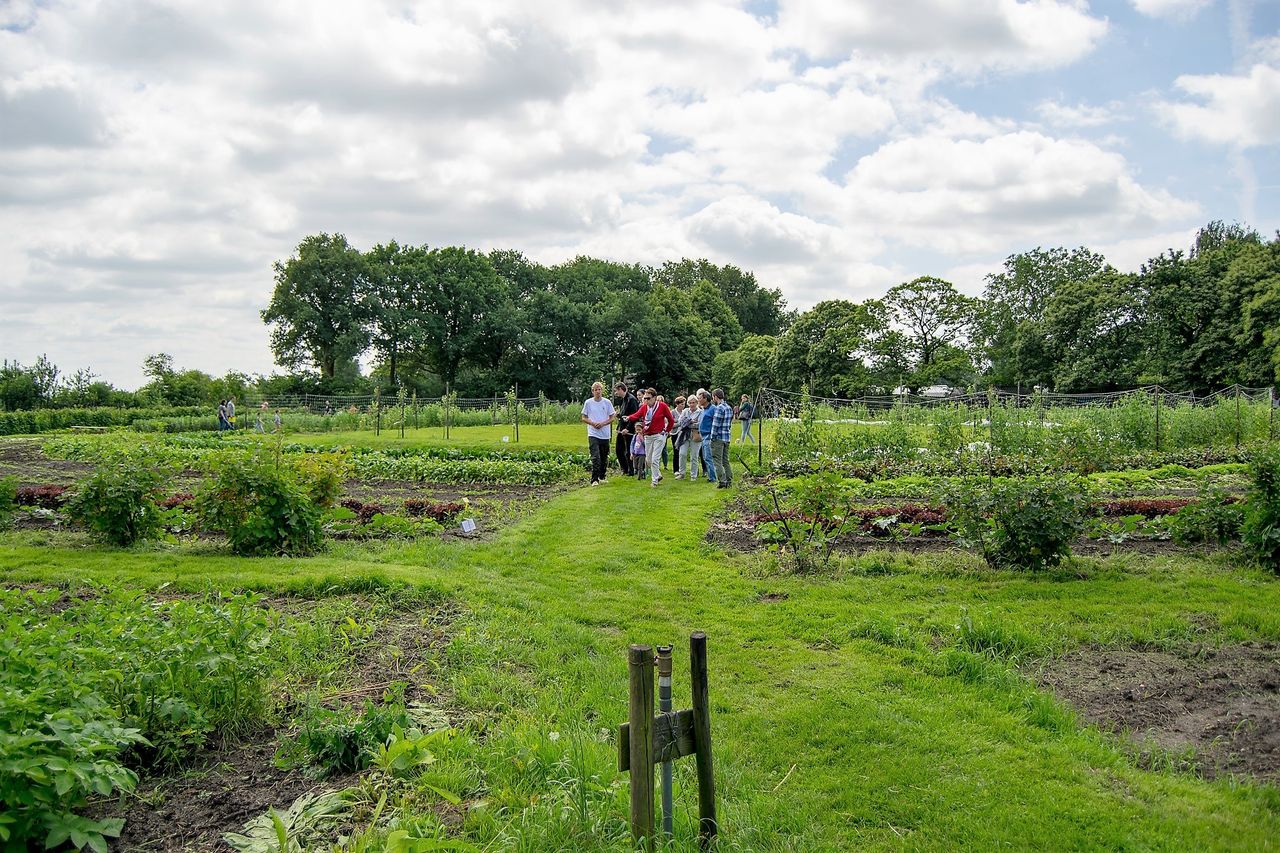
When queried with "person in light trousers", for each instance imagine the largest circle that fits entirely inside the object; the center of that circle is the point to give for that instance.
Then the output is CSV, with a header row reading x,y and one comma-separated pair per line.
x,y
655,416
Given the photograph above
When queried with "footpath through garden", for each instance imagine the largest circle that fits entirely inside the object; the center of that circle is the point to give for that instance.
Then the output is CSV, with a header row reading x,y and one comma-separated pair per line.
x,y
888,704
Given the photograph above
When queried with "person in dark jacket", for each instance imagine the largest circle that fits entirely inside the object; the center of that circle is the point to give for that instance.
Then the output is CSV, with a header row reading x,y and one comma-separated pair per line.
x,y
626,405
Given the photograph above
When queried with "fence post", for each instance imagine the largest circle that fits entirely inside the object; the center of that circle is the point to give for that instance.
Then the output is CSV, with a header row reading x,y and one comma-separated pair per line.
x,y
664,708
517,389
1237,416
1271,413
707,824
1157,419
446,411
760,429
640,718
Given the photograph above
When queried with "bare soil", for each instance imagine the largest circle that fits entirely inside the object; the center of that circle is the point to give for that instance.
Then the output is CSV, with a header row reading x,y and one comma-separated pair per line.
x,y
1224,702
23,458
233,783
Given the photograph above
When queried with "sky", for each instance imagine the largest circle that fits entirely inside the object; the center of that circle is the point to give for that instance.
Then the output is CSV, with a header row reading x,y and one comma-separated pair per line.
x,y
156,158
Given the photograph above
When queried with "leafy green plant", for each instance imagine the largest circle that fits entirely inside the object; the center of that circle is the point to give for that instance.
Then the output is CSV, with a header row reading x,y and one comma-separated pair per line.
x,y
815,516
1216,518
262,508
1261,529
340,741
120,502
321,475
1019,523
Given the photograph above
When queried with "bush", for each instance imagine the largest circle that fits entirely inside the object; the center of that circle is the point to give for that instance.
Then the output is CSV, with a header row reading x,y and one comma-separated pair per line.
x,y
1261,529
322,476
120,502
262,508
1215,518
1019,523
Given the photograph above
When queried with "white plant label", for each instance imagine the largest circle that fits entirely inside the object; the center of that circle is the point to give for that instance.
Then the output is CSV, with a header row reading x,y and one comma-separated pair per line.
x,y
468,525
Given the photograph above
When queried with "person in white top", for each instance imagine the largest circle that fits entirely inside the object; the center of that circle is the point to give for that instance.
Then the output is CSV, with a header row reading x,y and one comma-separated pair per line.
x,y
598,414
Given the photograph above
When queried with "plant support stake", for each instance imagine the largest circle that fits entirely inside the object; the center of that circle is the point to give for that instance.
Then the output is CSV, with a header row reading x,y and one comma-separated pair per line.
x,y
664,709
640,718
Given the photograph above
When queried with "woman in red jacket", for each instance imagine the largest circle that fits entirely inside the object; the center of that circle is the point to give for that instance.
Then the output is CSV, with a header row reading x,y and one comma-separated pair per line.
x,y
655,418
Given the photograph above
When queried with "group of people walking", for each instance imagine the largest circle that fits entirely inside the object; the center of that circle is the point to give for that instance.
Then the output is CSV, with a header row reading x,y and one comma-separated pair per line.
x,y
698,430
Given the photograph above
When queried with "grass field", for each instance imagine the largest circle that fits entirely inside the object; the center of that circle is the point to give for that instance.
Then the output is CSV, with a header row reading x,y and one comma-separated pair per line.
x,y
883,705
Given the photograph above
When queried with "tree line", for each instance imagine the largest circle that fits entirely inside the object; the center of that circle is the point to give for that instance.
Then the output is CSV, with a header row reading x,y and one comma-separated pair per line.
x,y
482,323
1059,319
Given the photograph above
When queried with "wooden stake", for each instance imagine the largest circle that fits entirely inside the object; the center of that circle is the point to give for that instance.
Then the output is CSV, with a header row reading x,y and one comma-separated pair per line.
x,y
640,719
707,824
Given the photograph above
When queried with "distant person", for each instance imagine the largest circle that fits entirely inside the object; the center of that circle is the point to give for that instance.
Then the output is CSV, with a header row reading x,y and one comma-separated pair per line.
x,y
637,452
746,412
721,437
277,420
222,416
598,415
257,423
654,419
625,405
231,412
689,446
676,411
705,422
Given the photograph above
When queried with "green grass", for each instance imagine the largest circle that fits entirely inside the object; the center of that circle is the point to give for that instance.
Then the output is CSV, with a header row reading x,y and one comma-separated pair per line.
x,y
874,707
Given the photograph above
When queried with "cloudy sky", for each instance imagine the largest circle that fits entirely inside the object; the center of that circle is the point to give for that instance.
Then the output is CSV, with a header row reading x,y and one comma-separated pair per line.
x,y
156,157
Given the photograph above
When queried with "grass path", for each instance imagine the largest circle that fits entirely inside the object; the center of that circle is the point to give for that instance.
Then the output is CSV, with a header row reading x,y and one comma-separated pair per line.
x,y
874,710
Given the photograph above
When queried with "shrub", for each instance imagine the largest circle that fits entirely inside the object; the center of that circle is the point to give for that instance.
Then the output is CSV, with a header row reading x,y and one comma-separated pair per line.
x,y
1261,530
1215,518
1019,523
8,499
262,508
322,476
45,497
812,523
120,502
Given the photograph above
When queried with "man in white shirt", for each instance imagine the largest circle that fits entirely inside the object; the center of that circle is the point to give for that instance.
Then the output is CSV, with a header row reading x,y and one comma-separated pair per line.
x,y
598,414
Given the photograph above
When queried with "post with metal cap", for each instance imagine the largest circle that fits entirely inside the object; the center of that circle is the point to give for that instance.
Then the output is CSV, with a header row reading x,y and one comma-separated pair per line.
x,y
664,708
707,824
640,719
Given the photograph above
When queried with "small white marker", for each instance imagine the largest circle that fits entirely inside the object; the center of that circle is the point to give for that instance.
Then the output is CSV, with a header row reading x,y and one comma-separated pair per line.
x,y
468,525
505,439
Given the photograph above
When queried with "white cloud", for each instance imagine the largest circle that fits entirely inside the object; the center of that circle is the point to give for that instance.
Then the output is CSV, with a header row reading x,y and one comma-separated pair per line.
x,y
966,34
1081,115
1239,110
1182,9
982,194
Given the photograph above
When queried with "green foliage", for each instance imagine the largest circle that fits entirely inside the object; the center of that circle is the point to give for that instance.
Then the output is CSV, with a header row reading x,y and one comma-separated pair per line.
x,y
262,507
1216,518
322,476
107,679
340,741
1019,523
119,502
810,519
1261,529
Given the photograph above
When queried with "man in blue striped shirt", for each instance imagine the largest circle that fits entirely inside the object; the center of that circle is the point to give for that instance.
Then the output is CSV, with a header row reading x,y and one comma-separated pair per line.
x,y
721,435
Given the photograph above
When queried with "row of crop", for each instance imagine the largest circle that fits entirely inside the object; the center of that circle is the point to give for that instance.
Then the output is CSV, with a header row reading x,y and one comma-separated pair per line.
x,y
1016,522
440,465
35,421
1022,438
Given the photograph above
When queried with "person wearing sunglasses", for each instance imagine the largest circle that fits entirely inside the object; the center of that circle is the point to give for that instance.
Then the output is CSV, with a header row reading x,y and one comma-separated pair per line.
x,y
654,417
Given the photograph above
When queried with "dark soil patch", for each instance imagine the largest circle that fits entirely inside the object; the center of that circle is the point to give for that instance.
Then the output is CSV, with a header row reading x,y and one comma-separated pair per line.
x,y
231,784
1223,702
24,458
225,789
769,597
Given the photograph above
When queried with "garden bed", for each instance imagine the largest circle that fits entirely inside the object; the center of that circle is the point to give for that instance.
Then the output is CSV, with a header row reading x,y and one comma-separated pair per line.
x,y
1224,703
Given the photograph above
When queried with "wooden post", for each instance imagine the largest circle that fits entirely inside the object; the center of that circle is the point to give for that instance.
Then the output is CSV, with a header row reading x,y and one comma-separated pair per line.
x,y
1157,419
446,411
1271,413
517,391
760,429
640,718
707,824
664,708
1237,416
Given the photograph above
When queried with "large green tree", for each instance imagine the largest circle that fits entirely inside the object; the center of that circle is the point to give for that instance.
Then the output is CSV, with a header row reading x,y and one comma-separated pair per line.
x,y
463,304
396,289
1096,333
319,310
937,322
760,310
833,348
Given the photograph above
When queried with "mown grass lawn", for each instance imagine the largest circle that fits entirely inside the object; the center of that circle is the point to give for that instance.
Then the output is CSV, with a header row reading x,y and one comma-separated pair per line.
x,y
875,707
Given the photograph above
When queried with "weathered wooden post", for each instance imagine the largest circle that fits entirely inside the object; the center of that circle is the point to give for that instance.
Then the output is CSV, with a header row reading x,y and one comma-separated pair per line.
x,y
1157,419
707,824
760,428
1237,416
647,739
640,665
